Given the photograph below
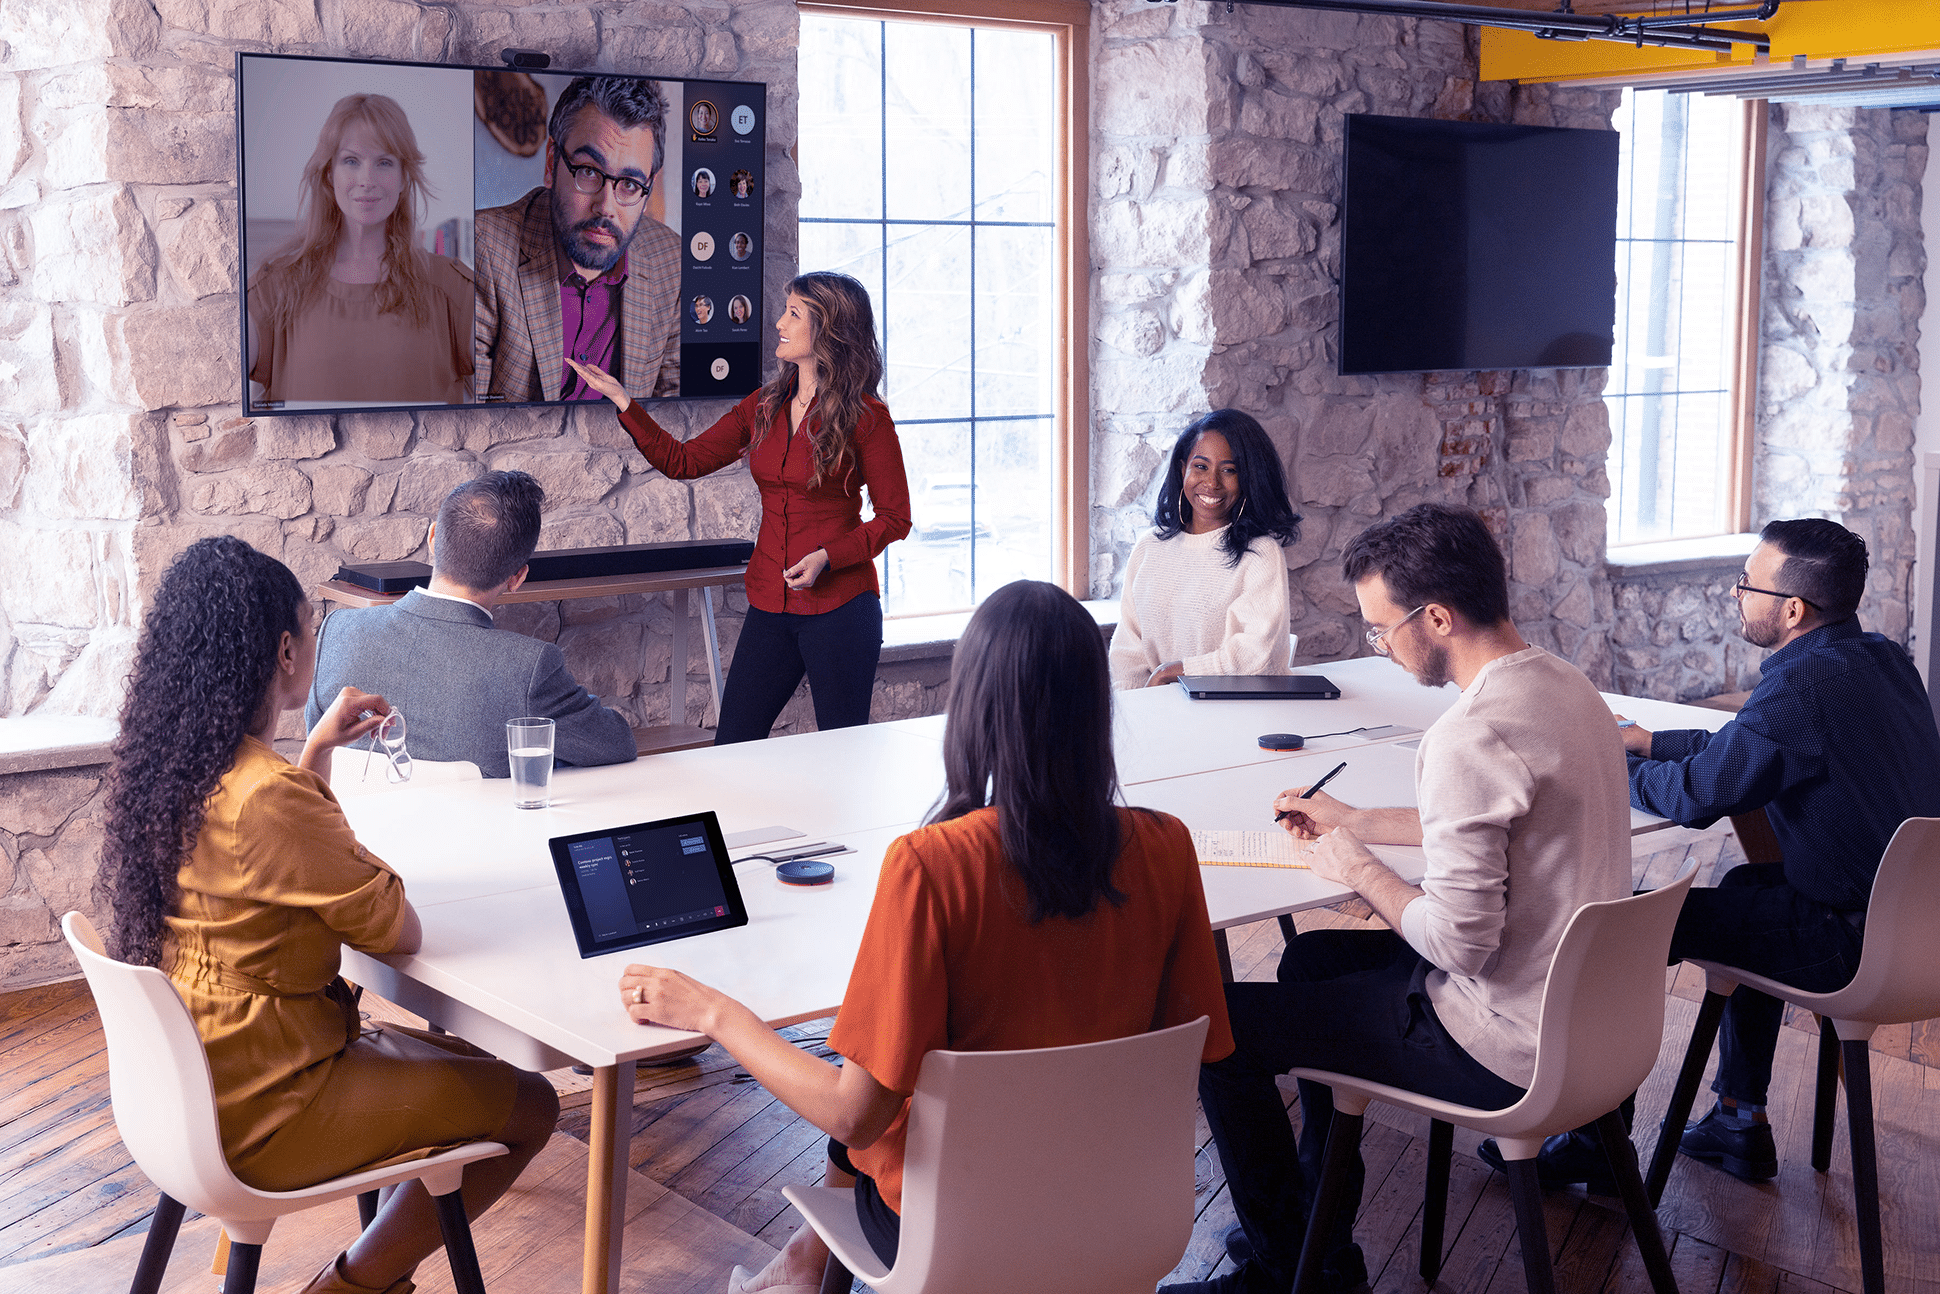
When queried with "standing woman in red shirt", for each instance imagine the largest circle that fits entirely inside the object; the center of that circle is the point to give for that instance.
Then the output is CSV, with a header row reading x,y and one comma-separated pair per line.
x,y
814,437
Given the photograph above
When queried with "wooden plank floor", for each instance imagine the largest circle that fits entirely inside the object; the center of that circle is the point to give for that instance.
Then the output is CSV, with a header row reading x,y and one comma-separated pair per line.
x,y
713,1150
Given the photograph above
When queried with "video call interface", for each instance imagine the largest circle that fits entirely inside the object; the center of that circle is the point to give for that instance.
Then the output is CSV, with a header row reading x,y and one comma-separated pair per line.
x,y
648,882
549,235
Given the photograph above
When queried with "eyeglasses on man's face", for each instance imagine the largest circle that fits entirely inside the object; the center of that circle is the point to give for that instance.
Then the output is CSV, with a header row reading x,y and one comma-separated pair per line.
x,y
589,180
1741,588
1378,638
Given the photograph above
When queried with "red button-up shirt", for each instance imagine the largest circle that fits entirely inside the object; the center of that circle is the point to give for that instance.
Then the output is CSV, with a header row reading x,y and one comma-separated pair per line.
x,y
797,519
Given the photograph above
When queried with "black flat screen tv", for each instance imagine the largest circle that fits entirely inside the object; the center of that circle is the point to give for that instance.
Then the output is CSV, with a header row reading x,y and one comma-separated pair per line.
x,y
614,217
1471,245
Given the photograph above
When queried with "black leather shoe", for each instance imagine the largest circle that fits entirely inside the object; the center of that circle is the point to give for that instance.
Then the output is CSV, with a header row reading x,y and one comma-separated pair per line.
x,y
1747,1153
1565,1160
1343,1272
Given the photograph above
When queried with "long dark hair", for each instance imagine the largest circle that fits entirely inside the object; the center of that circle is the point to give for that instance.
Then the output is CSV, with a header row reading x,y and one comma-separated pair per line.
x,y
303,264
202,669
1263,508
848,370
1030,733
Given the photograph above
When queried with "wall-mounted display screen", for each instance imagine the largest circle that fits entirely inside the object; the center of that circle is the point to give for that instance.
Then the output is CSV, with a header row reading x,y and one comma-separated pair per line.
x,y
1472,245
417,234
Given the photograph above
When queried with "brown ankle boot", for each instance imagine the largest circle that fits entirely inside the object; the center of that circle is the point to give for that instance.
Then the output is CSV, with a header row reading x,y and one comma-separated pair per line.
x,y
331,1280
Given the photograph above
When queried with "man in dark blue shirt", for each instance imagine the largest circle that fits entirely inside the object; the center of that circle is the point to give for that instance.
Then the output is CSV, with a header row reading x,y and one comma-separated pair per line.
x,y
1837,744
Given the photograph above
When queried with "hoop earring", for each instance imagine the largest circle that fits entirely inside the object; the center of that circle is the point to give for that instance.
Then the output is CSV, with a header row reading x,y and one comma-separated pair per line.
x,y
1240,511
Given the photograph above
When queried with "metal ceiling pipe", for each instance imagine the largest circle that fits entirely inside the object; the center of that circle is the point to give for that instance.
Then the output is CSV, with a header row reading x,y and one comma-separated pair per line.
x,y
1673,31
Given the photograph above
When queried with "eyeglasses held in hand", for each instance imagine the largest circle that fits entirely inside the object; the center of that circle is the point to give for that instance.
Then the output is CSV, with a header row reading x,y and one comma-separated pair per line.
x,y
590,180
390,734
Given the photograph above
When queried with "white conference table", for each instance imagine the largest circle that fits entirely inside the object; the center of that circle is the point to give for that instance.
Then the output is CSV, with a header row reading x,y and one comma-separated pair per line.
x,y
499,966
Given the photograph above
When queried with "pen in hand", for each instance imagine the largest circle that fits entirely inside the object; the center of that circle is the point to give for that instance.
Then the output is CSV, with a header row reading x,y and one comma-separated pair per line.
x,y
1308,794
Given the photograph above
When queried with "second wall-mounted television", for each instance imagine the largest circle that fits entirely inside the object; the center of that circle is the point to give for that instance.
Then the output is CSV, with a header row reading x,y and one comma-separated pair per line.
x,y
419,235
1474,245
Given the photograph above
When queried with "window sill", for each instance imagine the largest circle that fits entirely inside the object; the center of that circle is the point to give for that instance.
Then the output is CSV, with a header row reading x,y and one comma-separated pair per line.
x,y
930,637
1677,556
37,742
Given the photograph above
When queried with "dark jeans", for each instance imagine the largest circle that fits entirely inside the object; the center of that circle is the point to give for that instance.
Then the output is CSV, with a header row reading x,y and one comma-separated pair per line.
x,y
1349,1001
837,649
882,1226
1755,921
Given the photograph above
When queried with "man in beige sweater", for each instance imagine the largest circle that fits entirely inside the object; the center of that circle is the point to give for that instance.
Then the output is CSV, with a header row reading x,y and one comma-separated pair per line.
x,y
1524,817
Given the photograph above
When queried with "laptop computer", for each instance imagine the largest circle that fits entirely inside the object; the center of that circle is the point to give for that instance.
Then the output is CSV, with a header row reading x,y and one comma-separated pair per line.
x,y
626,887
1259,687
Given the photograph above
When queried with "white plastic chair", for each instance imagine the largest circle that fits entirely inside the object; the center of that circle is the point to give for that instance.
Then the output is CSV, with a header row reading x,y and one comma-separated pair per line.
x,y
1898,982
1067,1169
347,768
165,1109
1597,1039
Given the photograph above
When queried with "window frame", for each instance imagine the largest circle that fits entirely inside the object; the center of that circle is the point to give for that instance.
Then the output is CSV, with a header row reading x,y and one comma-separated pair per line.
x,y
1744,293
1068,22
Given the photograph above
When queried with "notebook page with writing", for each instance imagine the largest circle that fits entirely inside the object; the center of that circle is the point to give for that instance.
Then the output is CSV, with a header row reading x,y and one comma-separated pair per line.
x,y
1246,849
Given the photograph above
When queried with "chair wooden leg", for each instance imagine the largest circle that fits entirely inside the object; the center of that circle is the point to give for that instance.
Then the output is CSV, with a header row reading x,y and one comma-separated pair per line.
x,y
1622,1158
243,1262
1343,1143
1826,1097
1434,1205
160,1244
366,1210
459,1251
1865,1165
1703,1034
1527,1193
836,1279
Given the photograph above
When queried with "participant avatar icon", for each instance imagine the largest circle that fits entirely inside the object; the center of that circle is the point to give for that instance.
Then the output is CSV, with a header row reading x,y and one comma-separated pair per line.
x,y
740,309
702,245
741,184
740,247
742,119
703,183
704,117
703,308
719,368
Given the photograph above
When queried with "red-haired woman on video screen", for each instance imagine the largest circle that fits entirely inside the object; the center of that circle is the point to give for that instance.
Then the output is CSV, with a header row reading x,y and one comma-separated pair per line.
x,y
352,310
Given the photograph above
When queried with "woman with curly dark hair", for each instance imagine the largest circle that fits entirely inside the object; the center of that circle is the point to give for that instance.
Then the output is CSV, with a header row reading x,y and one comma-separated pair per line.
x,y
1206,591
813,438
235,873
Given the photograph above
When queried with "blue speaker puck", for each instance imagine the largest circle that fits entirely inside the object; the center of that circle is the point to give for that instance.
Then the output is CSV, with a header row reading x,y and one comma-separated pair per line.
x,y
805,871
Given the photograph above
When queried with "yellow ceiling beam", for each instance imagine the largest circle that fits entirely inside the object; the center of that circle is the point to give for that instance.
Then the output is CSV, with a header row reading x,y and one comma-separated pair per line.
x,y
1818,29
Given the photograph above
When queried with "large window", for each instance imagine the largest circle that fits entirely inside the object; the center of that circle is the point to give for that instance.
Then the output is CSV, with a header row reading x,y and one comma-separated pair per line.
x,y
1679,390
935,157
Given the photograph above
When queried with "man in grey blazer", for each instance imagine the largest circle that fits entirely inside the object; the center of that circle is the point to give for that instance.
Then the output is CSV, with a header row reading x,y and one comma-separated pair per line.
x,y
577,267
435,655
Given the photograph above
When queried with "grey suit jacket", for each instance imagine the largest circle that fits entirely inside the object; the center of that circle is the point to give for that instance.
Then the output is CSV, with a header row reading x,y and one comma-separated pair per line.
x,y
457,680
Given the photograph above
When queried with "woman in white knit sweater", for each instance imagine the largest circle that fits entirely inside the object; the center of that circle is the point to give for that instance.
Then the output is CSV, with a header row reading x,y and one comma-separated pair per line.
x,y
1206,591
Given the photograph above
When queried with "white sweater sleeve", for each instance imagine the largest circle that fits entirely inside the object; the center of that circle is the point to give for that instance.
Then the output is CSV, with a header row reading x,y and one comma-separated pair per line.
x,y
1469,803
1131,657
1255,637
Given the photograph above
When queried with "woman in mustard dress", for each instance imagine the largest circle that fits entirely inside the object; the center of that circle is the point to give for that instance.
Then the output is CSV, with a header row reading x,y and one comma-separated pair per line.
x,y
234,871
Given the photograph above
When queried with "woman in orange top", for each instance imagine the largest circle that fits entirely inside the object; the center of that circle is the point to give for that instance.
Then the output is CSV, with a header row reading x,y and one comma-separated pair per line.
x,y
814,438
235,872
1030,912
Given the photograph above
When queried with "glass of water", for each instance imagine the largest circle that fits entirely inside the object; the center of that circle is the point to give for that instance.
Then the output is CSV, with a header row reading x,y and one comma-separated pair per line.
x,y
528,743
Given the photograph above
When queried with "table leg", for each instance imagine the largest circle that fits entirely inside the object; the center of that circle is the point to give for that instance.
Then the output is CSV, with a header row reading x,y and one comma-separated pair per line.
x,y
1225,956
606,1170
713,648
677,667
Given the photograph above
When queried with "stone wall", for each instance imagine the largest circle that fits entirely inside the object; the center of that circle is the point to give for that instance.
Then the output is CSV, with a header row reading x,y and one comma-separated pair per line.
x,y
119,437
1844,291
1216,247
1839,391
50,847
